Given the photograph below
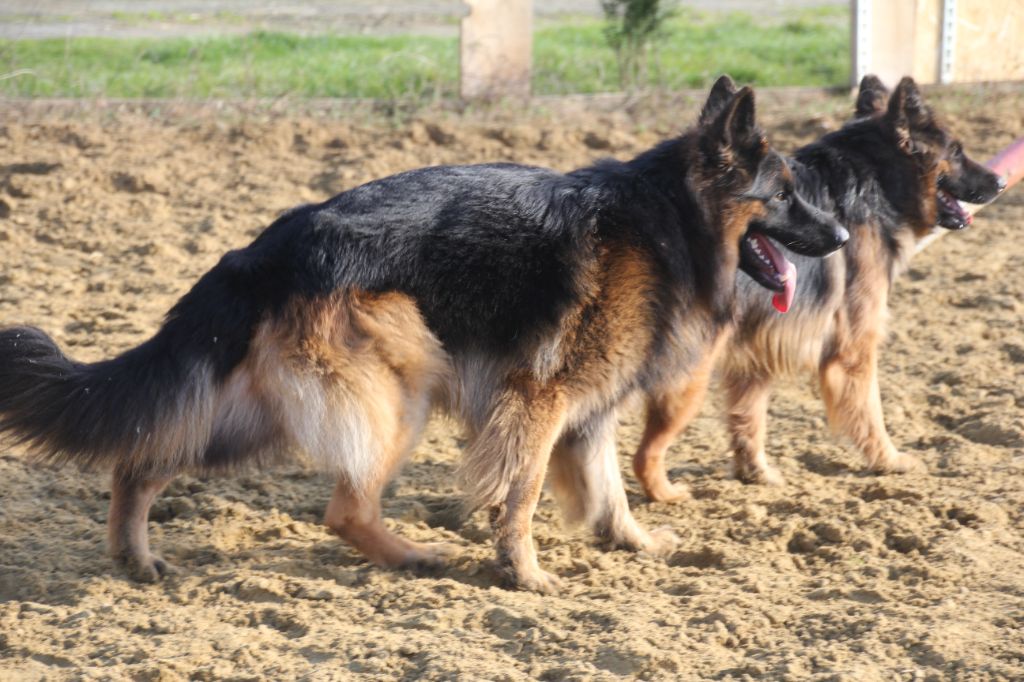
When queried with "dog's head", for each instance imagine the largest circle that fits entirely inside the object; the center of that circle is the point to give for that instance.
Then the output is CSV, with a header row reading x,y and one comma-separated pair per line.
x,y
926,173
752,189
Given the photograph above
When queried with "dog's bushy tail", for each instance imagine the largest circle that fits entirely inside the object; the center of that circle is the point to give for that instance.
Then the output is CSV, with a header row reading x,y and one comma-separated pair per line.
x,y
143,411
151,410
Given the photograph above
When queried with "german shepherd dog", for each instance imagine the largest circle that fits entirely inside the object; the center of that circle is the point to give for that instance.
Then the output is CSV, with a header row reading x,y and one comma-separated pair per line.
x,y
889,176
527,303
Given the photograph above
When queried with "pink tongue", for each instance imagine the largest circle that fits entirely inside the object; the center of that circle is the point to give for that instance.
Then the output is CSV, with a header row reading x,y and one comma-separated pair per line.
x,y
784,299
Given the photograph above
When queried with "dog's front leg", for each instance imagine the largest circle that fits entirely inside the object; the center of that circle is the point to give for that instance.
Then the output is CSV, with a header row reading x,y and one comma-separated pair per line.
x,y
849,386
668,414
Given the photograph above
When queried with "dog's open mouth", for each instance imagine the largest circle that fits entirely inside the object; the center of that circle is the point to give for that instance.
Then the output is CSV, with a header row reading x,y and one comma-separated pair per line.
x,y
952,215
763,261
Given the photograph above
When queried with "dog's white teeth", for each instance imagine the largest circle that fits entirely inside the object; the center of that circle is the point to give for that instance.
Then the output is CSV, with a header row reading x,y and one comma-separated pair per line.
x,y
755,245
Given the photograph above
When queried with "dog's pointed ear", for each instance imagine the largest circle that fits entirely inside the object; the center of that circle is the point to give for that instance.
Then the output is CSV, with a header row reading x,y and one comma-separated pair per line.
x,y
736,124
907,111
721,92
734,131
871,97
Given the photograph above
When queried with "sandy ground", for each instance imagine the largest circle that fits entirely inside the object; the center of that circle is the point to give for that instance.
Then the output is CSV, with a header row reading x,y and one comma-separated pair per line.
x,y
107,217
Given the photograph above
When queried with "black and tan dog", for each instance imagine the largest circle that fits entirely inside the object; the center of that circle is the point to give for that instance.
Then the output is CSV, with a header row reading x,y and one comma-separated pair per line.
x,y
889,176
528,303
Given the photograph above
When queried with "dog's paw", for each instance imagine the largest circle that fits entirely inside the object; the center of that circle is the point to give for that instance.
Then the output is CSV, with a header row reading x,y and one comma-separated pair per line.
x,y
662,542
663,491
428,556
633,538
901,463
766,475
535,580
145,569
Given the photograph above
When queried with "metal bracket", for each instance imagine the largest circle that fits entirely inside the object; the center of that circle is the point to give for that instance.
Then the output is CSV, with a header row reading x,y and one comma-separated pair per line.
x,y
948,43
861,39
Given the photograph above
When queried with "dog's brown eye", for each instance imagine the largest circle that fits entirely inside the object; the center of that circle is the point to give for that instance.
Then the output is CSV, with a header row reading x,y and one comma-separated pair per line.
x,y
782,196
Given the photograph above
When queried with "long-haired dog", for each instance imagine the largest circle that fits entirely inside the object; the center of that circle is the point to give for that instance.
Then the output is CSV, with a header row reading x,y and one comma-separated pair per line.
x,y
527,303
889,176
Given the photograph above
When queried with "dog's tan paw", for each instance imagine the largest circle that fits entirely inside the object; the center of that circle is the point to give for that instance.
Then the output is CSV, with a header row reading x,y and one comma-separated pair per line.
x,y
663,491
900,464
147,569
632,538
766,475
663,541
428,556
535,580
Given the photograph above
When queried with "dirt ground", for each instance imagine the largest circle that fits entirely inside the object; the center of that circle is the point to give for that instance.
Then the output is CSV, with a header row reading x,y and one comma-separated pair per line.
x,y
108,215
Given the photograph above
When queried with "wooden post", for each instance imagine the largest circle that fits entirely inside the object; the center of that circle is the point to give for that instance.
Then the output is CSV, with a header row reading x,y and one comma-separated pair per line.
x,y
988,36
495,49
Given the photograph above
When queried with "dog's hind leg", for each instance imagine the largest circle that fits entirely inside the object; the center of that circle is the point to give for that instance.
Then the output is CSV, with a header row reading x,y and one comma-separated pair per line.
x,y
348,378
128,537
504,468
354,513
746,415
588,484
849,386
376,430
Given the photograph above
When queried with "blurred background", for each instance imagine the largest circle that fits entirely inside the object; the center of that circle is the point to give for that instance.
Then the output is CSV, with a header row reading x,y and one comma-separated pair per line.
x,y
405,49
423,50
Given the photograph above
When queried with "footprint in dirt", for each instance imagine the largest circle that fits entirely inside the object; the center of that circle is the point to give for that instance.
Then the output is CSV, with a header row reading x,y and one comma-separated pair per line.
x,y
823,465
31,168
1014,352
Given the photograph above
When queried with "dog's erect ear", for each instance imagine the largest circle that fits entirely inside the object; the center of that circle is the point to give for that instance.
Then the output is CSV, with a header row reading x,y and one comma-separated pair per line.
x,y
906,102
907,111
872,97
735,124
721,92
733,134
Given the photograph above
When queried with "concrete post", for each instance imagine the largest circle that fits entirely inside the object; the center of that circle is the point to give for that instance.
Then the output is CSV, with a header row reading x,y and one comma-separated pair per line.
x,y
495,50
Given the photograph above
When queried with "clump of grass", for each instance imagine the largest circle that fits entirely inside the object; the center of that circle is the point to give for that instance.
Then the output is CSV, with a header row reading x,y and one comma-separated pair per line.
x,y
631,26
569,57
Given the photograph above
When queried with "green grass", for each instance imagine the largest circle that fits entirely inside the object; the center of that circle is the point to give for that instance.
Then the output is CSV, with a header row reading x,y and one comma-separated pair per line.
x,y
256,65
810,48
